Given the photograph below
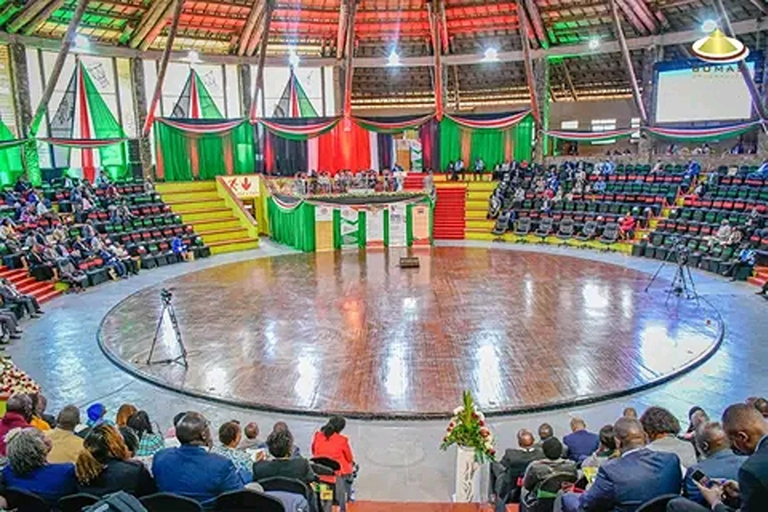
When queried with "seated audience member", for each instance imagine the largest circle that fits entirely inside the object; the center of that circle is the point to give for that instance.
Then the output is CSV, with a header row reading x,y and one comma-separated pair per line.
x,y
722,236
179,248
662,429
719,463
627,226
190,470
283,464
539,470
229,436
18,413
124,412
580,442
628,481
103,467
512,467
330,443
761,404
149,442
170,435
95,414
250,440
696,417
65,444
11,295
29,470
604,452
630,413
39,403
748,433
130,439
283,426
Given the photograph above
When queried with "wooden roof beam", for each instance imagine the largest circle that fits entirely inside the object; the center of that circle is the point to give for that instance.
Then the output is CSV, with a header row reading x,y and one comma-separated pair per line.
x,y
434,32
30,10
632,16
628,63
257,9
644,13
538,25
149,20
263,22
341,33
569,80
525,42
349,57
263,43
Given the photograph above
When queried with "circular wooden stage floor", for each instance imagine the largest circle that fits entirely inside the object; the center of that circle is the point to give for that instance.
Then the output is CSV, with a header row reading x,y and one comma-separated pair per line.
x,y
352,333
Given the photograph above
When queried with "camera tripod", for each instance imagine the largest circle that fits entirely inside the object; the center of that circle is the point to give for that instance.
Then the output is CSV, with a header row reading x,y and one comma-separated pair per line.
x,y
182,357
682,284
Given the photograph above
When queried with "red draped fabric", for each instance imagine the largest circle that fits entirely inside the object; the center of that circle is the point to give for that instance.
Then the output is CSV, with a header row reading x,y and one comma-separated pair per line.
x,y
344,149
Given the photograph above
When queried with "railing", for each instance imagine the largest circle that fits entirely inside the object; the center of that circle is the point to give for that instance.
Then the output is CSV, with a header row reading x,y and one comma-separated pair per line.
x,y
330,186
238,208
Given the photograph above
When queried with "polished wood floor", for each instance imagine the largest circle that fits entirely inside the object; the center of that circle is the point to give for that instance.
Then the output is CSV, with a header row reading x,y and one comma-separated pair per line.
x,y
352,333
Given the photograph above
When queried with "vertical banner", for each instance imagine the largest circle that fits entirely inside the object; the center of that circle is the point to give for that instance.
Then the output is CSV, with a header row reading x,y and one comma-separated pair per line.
x,y
416,156
323,228
350,228
374,226
397,225
421,224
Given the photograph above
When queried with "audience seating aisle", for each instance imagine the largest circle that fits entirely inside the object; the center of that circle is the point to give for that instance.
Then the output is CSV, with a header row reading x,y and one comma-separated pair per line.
x,y
720,227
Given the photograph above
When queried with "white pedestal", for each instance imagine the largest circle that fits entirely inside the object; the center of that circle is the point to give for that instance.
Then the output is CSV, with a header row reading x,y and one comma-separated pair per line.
x,y
471,478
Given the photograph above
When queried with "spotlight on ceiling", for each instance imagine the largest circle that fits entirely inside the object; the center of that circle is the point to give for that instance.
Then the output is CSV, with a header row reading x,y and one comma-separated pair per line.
x,y
594,43
193,57
708,26
81,41
394,59
491,55
293,58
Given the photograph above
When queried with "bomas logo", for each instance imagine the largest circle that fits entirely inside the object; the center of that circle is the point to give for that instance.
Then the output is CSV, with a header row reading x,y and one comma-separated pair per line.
x,y
706,70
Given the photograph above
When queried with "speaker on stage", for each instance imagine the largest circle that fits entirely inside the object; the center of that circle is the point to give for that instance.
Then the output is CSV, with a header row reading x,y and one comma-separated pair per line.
x,y
134,151
409,262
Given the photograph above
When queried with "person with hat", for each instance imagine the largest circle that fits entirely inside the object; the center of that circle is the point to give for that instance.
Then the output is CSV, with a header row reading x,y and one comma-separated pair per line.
x,y
95,414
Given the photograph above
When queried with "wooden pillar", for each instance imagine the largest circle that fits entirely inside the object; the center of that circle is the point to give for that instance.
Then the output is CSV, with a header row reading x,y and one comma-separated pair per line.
x,y
349,59
139,92
526,45
540,68
262,60
651,56
245,84
163,67
20,79
66,44
628,62
434,30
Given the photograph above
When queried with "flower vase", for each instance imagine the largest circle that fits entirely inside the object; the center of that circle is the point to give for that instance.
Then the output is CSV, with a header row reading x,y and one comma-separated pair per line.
x,y
468,476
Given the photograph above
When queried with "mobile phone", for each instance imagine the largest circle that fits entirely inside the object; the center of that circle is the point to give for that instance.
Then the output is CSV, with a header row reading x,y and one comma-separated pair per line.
x,y
701,478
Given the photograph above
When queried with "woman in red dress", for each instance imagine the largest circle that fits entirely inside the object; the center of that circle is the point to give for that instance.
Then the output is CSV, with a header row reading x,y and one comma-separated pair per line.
x,y
328,442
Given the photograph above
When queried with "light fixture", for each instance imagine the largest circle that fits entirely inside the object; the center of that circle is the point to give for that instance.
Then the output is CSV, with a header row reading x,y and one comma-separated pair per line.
x,y
718,48
293,58
394,59
594,43
491,55
708,26
81,41
193,57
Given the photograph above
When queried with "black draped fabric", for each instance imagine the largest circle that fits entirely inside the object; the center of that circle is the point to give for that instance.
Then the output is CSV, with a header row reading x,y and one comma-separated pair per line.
x,y
385,143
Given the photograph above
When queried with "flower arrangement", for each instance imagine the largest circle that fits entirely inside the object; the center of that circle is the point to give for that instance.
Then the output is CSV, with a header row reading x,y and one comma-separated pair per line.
x,y
13,380
468,428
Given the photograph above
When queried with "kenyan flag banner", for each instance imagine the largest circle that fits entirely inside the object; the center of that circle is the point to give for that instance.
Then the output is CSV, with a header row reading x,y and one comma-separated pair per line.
x,y
583,136
195,102
702,134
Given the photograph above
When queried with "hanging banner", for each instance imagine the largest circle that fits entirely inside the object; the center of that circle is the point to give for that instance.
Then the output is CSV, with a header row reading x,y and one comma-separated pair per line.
x,y
349,228
323,228
421,224
416,156
397,225
374,226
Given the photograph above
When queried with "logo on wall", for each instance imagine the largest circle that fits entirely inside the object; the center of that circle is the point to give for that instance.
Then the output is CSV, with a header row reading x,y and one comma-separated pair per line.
x,y
719,48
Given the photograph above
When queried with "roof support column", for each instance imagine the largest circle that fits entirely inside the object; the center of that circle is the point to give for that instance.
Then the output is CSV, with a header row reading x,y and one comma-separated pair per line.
x,y
651,56
757,100
541,88
245,82
262,60
23,104
139,92
66,44
434,31
529,75
163,67
349,52
628,63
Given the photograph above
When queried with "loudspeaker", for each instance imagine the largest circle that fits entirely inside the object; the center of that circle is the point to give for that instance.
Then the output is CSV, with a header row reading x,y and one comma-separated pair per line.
x,y
134,151
409,262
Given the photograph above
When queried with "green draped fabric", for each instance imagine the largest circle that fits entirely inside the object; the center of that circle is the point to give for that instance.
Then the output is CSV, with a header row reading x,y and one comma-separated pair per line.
x,y
174,147
11,163
208,108
114,158
486,144
294,227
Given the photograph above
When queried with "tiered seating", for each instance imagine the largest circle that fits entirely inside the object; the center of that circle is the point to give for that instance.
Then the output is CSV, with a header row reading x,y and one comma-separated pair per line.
x,y
731,198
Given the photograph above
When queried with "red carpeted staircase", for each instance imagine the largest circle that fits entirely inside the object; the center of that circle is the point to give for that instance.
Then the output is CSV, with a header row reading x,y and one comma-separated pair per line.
x,y
449,212
414,181
43,291
759,277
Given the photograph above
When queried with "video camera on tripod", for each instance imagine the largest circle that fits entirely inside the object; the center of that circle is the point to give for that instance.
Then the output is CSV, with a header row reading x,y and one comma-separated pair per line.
x,y
679,249
682,283
166,296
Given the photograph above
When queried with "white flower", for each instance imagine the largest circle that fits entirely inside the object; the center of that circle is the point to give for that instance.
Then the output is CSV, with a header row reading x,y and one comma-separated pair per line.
x,y
458,410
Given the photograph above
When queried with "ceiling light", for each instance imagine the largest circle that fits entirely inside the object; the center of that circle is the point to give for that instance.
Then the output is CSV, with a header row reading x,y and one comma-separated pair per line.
x,y
193,57
293,58
708,26
491,55
594,43
81,41
394,59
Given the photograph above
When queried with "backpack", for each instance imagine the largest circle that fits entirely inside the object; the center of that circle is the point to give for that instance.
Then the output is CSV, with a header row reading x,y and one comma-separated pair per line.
x,y
117,502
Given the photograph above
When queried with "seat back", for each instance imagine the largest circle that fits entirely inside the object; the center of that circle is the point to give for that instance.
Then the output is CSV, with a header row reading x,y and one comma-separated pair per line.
x,y
566,226
590,227
77,502
278,483
167,502
611,231
523,225
545,226
25,500
291,501
657,504
247,501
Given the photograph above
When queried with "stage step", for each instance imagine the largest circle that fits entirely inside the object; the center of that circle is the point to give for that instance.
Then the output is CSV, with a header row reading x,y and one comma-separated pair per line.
x,y
414,181
208,225
222,235
197,204
181,197
176,187
206,214
242,244
26,284
759,276
449,212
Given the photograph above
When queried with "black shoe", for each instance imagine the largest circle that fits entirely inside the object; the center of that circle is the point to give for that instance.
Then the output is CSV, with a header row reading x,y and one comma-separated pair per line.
x,y
36,315
761,292
15,336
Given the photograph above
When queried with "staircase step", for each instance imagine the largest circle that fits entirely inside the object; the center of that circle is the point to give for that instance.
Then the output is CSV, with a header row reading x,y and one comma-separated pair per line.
x,y
223,235
181,197
757,281
184,186
193,205
35,287
207,225
48,296
206,214
238,244
13,273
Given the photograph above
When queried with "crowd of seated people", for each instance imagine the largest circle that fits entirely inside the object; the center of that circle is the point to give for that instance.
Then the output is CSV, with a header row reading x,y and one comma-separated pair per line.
x,y
711,465
720,227
344,181
53,458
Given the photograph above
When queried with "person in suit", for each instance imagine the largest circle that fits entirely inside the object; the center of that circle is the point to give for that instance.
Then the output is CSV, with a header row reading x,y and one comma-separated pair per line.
x,y
625,483
190,470
512,467
65,444
719,460
283,464
29,470
748,433
11,295
580,442
104,466
662,428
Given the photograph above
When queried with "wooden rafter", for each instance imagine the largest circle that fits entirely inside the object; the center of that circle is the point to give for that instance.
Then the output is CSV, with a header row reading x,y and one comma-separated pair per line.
x,y
177,6
632,16
569,80
349,57
160,25
264,41
538,24
434,31
257,10
628,62
525,42
644,13
342,30
42,16
148,21
262,26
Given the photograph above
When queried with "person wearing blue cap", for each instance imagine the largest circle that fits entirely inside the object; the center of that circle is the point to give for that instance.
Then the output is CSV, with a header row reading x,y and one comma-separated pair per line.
x,y
95,413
